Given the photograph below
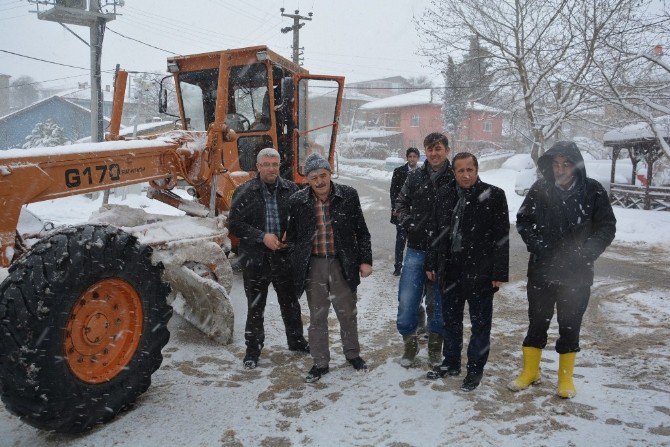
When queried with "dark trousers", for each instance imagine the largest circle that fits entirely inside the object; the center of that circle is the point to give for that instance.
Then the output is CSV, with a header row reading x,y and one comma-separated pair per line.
x,y
400,240
570,302
275,269
478,294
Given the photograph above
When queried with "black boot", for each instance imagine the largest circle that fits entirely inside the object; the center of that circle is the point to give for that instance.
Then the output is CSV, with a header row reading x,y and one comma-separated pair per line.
x,y
299,345
471,380
443,370
358,364
315,373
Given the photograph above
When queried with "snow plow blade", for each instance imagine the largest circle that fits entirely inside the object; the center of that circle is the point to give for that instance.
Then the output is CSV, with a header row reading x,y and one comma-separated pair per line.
x,y
195,265
198,293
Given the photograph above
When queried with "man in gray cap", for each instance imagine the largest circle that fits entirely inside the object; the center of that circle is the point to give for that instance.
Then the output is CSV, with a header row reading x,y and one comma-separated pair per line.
x,y
330,251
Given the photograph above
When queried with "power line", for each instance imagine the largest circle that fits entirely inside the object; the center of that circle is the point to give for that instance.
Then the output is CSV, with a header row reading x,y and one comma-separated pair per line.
x,y
49,62
42,82
139,41
73,66
200,32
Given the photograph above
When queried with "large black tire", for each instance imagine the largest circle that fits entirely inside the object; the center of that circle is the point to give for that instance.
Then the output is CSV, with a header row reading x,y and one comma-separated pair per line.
x,y
36,300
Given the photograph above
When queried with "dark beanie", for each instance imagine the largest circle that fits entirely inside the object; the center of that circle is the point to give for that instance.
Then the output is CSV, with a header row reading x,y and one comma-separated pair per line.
x,y
315,161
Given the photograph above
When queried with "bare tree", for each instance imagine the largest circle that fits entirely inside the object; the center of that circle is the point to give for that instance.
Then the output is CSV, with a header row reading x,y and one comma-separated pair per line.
x,y
23,91
542,52
421,81
634,73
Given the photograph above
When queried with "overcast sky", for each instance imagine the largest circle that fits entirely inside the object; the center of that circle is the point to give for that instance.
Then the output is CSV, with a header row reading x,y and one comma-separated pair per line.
x,y
360,39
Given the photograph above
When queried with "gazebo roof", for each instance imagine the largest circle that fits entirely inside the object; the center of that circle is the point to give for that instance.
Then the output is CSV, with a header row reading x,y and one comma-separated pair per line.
x,y
637,133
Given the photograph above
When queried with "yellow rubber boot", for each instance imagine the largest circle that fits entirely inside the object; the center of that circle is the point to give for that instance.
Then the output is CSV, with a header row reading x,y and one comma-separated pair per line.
x,y
566,365
531,370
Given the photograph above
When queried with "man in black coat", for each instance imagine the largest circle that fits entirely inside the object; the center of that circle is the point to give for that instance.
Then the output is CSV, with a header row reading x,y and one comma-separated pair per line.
x,y
566,222
414,207
470,254
259,218
398,179
330,251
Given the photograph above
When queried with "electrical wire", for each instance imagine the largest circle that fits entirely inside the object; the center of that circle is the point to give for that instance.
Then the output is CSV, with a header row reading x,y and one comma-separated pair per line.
x,y
42,82
50,62
139,41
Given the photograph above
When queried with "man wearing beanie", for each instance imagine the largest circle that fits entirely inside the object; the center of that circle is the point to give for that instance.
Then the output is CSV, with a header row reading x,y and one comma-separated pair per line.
x,y
330,251
259,217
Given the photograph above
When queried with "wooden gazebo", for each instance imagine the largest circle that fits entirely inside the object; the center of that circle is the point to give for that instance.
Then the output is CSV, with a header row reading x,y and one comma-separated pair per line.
x,y
641,143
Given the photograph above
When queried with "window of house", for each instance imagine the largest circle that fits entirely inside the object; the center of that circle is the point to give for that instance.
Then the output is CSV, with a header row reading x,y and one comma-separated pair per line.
x,y
488,126
414,121
392,120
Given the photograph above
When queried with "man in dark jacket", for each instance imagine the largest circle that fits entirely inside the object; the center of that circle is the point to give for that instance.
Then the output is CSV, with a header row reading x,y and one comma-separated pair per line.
x,y
414,207
566,222
330,251
259,218
470,253
398,179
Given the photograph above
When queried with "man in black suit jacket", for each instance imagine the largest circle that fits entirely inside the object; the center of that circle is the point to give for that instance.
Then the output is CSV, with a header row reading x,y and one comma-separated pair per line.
x,y
470,255
259,218
399,176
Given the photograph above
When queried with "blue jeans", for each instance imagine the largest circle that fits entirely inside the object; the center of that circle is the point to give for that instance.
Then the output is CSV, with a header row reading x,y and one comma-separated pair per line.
x,y
410,290
400,239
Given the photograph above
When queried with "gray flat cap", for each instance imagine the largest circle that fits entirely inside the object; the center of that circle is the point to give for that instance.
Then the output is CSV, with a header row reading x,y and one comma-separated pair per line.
x,y
315,161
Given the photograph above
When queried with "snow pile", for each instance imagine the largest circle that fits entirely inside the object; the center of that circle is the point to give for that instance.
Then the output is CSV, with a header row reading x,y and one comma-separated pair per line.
x,y
519,162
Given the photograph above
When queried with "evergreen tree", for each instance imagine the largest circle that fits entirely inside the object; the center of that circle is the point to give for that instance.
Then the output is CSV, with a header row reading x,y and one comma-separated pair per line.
x,y
23,92
475,72
47,134
455,99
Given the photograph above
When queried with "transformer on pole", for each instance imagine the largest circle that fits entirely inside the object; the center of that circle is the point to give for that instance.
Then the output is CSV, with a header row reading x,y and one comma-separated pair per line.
x,y
296,32
75,12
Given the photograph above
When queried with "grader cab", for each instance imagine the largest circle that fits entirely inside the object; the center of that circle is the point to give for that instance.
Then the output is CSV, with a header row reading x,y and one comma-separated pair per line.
x,y
84,309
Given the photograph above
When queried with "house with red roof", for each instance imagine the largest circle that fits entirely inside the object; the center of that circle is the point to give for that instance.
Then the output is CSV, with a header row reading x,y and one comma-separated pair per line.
x,y
411,116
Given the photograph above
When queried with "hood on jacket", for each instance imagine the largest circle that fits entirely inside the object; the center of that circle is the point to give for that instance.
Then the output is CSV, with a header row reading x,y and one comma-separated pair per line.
x,y
569,150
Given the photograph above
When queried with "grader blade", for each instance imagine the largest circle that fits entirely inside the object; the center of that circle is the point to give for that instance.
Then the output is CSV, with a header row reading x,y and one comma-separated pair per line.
x,y
200,277
195,265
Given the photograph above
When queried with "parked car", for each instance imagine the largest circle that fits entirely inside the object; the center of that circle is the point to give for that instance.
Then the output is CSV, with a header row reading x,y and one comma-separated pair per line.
x,y
596,169
391,163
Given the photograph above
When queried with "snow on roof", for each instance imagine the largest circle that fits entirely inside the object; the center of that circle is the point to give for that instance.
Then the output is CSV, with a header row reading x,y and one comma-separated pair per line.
x,y
479,107
50,98
421,97
637,131
407,99
84,94
371,133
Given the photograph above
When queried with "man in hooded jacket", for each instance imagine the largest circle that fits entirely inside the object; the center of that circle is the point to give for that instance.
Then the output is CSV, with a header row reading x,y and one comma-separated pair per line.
x,y
566,222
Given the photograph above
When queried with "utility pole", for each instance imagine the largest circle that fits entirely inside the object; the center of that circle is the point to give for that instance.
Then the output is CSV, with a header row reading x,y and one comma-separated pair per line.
x,y
296,32
73,12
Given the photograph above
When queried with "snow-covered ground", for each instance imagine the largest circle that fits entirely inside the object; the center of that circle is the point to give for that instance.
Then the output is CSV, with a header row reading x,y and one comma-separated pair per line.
x,y
201,396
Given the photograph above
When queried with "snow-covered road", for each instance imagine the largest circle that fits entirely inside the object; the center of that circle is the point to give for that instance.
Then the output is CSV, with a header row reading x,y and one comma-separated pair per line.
x,y
202,396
